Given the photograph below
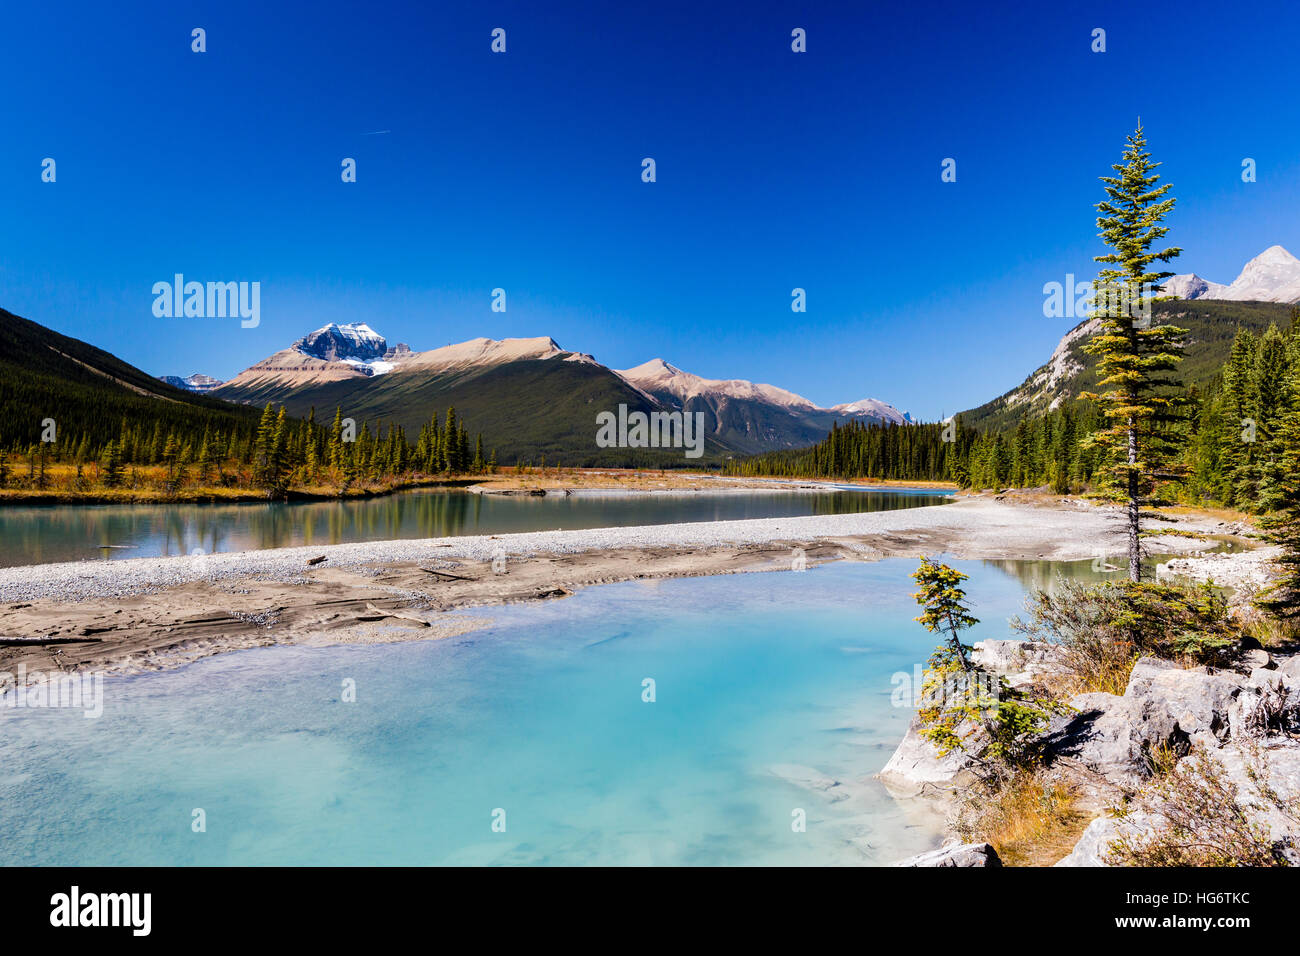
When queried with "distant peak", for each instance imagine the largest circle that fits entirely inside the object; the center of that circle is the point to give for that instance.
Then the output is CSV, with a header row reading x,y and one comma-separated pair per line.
x,y
656,366
334,342
1275,254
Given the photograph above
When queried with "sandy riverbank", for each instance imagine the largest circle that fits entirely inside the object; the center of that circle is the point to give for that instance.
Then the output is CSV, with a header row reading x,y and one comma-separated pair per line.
x,y
149,613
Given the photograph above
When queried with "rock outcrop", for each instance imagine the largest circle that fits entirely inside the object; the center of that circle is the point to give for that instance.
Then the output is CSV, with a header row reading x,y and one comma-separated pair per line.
x,y
956,854
1278,759
1114,742
917,767
1113,736
1236,717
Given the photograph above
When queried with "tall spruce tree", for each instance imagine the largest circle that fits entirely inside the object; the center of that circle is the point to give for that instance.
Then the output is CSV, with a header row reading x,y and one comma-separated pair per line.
x,y
1134,359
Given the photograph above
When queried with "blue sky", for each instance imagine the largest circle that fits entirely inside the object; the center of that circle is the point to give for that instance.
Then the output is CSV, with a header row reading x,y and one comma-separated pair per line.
x,y
521,170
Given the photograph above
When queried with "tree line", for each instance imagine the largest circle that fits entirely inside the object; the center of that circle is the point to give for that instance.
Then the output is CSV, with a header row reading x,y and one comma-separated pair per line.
x,y
1230,441
276,454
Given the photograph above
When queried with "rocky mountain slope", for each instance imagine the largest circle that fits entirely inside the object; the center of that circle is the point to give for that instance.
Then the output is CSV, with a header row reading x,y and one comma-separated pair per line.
x,y
1261,295
1211,326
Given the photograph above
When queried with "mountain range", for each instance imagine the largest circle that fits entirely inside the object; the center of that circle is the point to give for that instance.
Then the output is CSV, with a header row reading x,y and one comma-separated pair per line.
x,y
530,395
532,398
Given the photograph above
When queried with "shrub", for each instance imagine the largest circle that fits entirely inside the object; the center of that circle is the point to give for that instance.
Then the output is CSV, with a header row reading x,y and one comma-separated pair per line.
x,y
1201,821
1105,628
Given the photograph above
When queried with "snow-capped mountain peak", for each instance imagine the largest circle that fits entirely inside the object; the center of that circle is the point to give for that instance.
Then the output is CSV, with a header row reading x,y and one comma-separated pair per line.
x,y
333,343
1272,276
1191,286
873,408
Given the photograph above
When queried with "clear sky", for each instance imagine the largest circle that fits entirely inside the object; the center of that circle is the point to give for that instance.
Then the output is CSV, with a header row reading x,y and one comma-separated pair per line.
x,y
522,170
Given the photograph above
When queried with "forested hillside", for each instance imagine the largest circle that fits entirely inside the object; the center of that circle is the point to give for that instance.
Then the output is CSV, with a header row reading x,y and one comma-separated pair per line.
x,y
1230,432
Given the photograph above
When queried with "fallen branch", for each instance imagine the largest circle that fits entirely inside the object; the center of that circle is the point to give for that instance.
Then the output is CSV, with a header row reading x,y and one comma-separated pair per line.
x,y
445,574
405,617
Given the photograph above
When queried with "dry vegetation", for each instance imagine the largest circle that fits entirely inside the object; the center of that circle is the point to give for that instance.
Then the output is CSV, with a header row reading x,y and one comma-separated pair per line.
x,y
144,484
1031,820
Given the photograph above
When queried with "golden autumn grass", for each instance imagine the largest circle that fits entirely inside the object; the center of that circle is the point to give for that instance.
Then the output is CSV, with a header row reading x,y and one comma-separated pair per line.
x,y
1030,820
147,484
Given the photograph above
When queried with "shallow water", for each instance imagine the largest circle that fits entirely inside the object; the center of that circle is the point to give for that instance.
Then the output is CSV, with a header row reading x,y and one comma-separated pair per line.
x,y
39,535
540,715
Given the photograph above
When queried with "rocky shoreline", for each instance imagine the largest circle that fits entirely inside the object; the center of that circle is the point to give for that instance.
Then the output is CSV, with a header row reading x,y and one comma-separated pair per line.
x,y
1245,718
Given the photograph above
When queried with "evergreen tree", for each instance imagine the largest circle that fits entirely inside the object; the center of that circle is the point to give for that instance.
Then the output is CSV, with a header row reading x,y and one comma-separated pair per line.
x,y
1133,358
111,465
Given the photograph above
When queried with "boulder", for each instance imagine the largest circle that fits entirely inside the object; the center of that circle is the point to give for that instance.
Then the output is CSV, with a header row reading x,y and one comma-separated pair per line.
x,y
1289,668
917,766
1279,759
956,854
1288,671
1256,657
1114,736
1095,841
1262,705
1210,707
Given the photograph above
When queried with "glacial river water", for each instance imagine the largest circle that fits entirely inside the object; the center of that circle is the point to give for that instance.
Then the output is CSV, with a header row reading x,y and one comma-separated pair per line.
x,y
768,689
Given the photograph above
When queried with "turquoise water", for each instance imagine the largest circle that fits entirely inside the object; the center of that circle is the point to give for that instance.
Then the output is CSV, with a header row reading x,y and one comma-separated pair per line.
x,y
540,714
39,535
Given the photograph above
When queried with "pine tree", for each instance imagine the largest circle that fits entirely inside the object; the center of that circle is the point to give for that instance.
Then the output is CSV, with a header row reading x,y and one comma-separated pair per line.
x,y
336,441
111,465
1134,358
